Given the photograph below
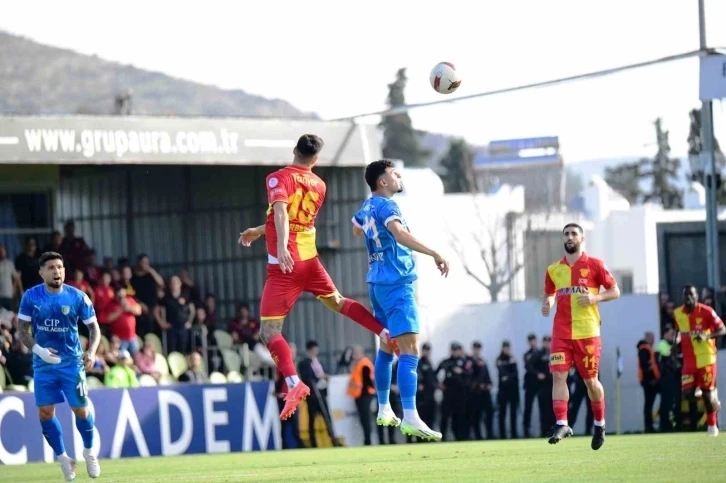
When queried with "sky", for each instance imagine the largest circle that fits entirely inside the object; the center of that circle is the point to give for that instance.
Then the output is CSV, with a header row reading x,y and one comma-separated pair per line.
x,y
336,58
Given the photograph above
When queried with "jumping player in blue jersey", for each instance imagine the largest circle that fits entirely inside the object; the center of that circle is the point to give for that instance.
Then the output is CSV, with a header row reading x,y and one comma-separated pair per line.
x,y
391,274
52,311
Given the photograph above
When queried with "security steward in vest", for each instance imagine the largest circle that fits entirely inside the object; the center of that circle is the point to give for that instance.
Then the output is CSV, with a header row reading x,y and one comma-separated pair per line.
x,y
362,389
649,377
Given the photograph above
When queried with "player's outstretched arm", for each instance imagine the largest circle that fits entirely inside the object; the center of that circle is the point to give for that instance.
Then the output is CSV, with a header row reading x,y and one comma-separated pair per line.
x,y
405,238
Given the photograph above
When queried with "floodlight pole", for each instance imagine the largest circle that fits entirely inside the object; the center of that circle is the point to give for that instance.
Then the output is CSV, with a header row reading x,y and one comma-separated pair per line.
x,y
712,258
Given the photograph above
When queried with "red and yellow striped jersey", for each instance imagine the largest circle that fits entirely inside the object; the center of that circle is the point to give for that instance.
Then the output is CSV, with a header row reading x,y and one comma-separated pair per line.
x,y
567,283
703,319
304,193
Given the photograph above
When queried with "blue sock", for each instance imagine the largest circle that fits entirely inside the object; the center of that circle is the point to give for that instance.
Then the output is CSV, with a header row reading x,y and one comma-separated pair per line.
x,y
382,373
408,380
53,434
85,427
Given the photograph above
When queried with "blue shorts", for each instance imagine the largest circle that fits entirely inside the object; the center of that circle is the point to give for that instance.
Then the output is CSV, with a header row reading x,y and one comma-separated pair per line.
x,y
395,307
53,383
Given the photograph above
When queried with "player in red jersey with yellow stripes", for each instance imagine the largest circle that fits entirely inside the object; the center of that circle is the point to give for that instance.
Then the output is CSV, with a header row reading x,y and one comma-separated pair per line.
x,y
698,326
295,196
574,283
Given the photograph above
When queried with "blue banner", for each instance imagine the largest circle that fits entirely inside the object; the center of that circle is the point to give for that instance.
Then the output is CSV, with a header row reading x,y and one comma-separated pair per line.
x,y
150,421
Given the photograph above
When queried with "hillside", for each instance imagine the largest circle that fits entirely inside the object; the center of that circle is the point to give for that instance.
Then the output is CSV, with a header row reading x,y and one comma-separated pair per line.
x,y
39,79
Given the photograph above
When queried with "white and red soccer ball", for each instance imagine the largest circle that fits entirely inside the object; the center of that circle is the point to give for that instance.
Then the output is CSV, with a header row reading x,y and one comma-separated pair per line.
x,y
444,78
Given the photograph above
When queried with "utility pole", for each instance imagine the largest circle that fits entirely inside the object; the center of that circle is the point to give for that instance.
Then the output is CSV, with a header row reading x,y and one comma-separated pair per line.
x,y
712,262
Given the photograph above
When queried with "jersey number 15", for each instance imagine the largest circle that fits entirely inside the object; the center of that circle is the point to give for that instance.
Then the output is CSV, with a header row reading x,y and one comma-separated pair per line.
x,y
301,206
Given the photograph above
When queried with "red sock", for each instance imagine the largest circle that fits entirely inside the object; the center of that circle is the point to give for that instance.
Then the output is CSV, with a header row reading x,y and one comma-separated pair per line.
x,y
360,315
598,410
711,419
560,407
280,352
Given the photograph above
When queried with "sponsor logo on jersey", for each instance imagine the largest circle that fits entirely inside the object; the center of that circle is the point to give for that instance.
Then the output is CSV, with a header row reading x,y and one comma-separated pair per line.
x,y
572,290
557,358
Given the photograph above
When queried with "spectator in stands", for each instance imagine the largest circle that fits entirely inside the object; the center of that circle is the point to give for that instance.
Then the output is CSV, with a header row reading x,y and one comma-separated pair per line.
x,y
200,330
311,372
126,276
122,312
210,304
55,243
9,280
8,320
93,271
19,362
103,294
190,290
27,264
74,248
100,366
146,360
177,317
244,328
195,372
112,354
108,264
81,283
146,282
116,280
122,375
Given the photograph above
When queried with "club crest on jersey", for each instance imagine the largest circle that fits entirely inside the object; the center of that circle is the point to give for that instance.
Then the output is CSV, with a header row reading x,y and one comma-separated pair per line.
x,y
590,349
584,272
272,182
65,310
699,321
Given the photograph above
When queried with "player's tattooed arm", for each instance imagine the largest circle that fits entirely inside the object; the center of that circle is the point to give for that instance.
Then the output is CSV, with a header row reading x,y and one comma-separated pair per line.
x,y
24,334
269,329
94,337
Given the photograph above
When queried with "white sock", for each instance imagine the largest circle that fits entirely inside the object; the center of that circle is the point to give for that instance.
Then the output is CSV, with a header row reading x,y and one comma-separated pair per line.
x,y
410,415
384,408
561,422
291,381
63,455
600,423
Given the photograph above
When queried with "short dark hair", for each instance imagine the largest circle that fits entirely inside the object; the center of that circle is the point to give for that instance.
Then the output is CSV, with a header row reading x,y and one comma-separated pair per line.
x,y
375,170
573,225
309,145
49,256
310,344
689,287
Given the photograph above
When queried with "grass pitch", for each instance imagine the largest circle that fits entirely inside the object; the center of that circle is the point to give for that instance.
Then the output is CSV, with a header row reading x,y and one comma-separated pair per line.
x,y
661,458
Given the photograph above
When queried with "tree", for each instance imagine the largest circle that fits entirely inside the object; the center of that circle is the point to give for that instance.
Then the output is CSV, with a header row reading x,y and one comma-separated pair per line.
x,y
625,179
400,141
494,245
458,162
695,146
661,171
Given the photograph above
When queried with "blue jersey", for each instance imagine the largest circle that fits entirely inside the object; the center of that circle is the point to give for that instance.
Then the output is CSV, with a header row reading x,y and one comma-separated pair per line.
x,y
389,262
54,319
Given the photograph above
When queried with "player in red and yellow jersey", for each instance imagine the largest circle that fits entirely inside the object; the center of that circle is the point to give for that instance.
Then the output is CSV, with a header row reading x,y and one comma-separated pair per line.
x,y
574,284
698,325
295,196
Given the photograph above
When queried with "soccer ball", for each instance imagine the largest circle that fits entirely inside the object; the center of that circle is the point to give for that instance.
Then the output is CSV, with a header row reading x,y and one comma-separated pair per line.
x,y
444,78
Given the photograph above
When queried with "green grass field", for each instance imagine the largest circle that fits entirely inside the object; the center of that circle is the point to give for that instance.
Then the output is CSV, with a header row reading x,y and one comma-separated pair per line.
x,y
661,458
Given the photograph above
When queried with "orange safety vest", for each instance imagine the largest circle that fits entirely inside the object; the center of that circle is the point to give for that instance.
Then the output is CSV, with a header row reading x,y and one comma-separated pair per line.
x,y
355,385
653,363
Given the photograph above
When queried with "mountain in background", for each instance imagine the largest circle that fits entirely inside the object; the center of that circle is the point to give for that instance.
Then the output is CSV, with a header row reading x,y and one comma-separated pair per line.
x,y
39,79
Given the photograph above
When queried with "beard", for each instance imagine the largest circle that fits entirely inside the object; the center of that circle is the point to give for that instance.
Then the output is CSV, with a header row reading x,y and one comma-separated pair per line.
x,y
572,249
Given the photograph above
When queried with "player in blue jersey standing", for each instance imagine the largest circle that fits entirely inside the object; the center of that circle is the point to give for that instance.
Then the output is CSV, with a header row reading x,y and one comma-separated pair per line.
x,y
391,274
52,310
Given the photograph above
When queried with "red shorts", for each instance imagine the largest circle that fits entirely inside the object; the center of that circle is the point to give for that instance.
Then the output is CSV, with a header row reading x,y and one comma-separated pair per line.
x,y
584,354
283,289
704,378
